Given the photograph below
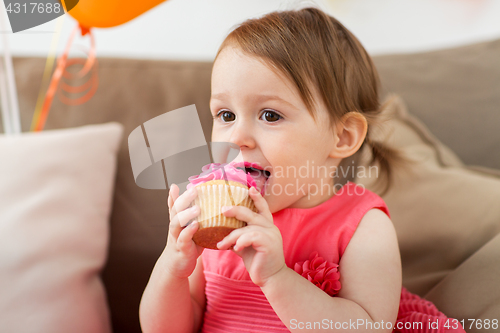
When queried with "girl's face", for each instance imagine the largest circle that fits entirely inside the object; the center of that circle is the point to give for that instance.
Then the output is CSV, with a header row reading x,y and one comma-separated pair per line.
x,y
263,114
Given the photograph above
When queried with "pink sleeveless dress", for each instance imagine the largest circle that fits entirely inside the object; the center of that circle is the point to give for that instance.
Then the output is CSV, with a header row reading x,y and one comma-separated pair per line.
x,y
314,240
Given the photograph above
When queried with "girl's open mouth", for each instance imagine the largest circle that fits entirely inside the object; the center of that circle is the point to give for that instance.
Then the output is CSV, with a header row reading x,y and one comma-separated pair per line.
x,y
260,176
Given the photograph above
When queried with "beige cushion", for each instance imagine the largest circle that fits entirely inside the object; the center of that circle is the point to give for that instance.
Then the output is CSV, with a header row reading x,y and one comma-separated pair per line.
x,y
472,291
455,93
443,212
56,190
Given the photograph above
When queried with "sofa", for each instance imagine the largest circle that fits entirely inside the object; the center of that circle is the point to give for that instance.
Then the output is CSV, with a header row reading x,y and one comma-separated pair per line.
x,y
443,112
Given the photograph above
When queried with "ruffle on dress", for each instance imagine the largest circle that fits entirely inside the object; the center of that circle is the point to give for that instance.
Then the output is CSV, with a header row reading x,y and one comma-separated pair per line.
x,y
415,314
420,315
324,274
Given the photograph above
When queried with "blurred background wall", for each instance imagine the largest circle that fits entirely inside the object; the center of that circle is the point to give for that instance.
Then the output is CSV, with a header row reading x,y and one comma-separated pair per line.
x,y
193,29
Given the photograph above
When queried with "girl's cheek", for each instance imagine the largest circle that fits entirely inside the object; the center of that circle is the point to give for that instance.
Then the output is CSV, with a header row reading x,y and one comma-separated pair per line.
x,y
216,133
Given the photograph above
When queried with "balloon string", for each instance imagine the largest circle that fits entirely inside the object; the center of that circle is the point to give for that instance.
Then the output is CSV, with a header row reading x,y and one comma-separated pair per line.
x,y
47,73
61,71
90,86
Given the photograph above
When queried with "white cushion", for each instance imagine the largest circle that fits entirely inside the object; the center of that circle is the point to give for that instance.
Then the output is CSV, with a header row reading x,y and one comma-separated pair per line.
x,y
55,201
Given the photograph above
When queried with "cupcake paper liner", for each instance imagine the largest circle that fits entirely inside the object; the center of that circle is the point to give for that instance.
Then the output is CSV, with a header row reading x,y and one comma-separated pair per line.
x,y
212,195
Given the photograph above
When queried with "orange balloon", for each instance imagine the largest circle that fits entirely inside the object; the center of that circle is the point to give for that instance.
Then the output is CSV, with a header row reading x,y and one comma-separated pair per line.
x,y
109,13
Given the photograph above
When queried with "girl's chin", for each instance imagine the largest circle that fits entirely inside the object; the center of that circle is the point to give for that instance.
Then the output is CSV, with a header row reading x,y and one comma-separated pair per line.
x,y
275,203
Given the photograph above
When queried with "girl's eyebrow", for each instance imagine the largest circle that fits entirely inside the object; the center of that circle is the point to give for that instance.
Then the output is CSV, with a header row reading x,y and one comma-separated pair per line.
x,y
257,98
218,96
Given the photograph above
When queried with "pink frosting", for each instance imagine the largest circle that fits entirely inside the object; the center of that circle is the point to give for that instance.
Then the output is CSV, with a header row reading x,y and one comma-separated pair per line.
x,y
223,171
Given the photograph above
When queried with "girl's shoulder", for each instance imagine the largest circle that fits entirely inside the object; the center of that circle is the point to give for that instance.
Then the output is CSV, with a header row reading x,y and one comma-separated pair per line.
x,y
358,197
328,227
359,204
350,202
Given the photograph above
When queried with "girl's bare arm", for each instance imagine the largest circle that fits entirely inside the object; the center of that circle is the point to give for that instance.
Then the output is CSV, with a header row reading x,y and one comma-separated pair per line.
x,y
197,288
370,274
174,296
172,304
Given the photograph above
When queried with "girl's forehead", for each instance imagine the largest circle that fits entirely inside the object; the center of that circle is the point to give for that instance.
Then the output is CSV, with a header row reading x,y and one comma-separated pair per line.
x,y
235,56
233,66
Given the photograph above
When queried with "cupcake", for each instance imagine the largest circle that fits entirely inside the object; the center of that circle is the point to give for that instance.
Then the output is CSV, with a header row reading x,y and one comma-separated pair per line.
x,y
223,185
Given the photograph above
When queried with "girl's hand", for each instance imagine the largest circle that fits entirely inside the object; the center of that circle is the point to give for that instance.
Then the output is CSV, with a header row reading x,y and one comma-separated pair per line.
x,y
259,243
181,251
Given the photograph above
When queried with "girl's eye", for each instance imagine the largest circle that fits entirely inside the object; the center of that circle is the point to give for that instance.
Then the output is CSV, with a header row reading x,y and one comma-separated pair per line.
x,y
226,115
271,116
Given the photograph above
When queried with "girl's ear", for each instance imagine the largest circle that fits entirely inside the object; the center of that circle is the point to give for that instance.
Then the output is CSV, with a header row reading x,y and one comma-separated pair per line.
x,y
350,132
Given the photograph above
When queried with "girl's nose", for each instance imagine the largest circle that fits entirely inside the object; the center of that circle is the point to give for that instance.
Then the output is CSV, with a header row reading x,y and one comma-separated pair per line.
x,y
242,135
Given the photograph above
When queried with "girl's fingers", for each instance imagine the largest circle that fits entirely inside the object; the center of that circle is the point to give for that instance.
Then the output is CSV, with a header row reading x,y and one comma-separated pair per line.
x,y
183,201
187,215
231,239
186,236
263,217
243,213
240,238
171,200
260,203
181,219
246,240
174,229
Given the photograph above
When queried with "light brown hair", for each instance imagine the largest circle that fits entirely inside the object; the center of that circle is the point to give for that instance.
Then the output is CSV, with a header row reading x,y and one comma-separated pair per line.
x,y
311,47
